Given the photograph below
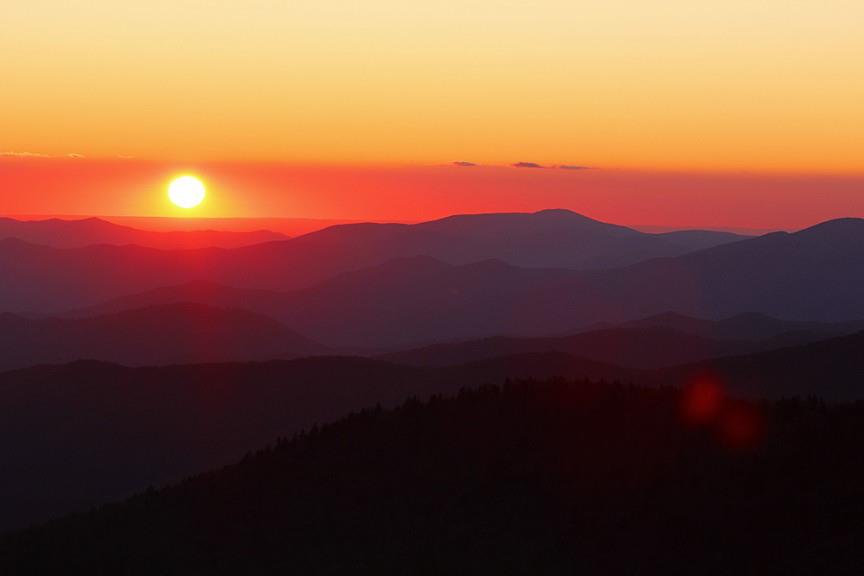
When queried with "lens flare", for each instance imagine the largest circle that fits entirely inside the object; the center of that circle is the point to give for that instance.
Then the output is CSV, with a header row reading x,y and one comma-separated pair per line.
x,y
702,400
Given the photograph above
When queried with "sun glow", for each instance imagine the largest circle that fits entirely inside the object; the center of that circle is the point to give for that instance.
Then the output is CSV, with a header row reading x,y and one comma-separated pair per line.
x,y
186,191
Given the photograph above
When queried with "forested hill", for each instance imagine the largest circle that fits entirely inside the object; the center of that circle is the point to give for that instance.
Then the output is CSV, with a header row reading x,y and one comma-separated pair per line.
x,y
533,478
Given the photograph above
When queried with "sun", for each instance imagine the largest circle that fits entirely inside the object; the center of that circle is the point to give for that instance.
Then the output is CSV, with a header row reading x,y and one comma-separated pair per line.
x,y
186,191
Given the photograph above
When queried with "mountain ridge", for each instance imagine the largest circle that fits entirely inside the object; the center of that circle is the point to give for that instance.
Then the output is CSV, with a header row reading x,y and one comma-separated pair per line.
x,y
421,300
80,233
155,335
495,479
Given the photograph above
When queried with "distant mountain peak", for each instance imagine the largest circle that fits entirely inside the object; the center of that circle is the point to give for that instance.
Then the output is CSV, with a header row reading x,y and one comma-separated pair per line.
x,y
558,213
562,212
835,228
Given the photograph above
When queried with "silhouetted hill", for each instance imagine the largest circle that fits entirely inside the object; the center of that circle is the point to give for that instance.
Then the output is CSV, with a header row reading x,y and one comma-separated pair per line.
x,y
830,369
749,327
773,332
650,343
700,239
400,303
78,434
537,478
43,279
94,274
265,302
643,347
545,239
59,233
815,274
421,300
170,334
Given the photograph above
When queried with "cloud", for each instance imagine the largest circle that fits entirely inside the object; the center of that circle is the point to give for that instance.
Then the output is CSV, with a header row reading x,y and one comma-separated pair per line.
x,y
465,164
22,155
14,154
572,167
526,165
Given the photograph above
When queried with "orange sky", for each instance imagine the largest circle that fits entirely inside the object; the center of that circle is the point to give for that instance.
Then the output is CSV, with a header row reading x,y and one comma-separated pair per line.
x,y
657,84
674,97
244,190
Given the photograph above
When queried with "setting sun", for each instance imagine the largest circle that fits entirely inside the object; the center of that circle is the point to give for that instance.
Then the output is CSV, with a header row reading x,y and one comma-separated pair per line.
x,y
186,191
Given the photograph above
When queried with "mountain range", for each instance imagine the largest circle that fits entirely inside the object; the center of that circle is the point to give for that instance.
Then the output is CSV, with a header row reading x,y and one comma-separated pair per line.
x,y
184,359
53,279
189,333
82,433
639,345
546,239
62,233
171,334
814,275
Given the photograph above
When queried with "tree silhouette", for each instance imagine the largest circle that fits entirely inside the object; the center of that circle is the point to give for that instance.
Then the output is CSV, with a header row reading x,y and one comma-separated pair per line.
x,y
552,477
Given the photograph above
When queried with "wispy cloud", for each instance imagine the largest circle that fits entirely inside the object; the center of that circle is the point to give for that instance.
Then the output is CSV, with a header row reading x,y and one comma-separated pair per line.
x,y
526,165
464,164
16,154
23,155
572,167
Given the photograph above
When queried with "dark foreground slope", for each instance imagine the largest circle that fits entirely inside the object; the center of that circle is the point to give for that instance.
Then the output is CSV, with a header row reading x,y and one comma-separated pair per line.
x,y
77,435
537,478
80,434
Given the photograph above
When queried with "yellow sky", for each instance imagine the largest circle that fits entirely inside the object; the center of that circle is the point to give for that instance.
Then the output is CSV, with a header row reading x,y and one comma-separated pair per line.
x,y
773,85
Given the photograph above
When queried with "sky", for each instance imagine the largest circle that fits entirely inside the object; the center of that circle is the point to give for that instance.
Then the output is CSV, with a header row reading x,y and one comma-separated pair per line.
x,y
306,108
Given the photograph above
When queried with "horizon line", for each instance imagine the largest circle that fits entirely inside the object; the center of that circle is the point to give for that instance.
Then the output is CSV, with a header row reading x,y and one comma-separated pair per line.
x,y
335,221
